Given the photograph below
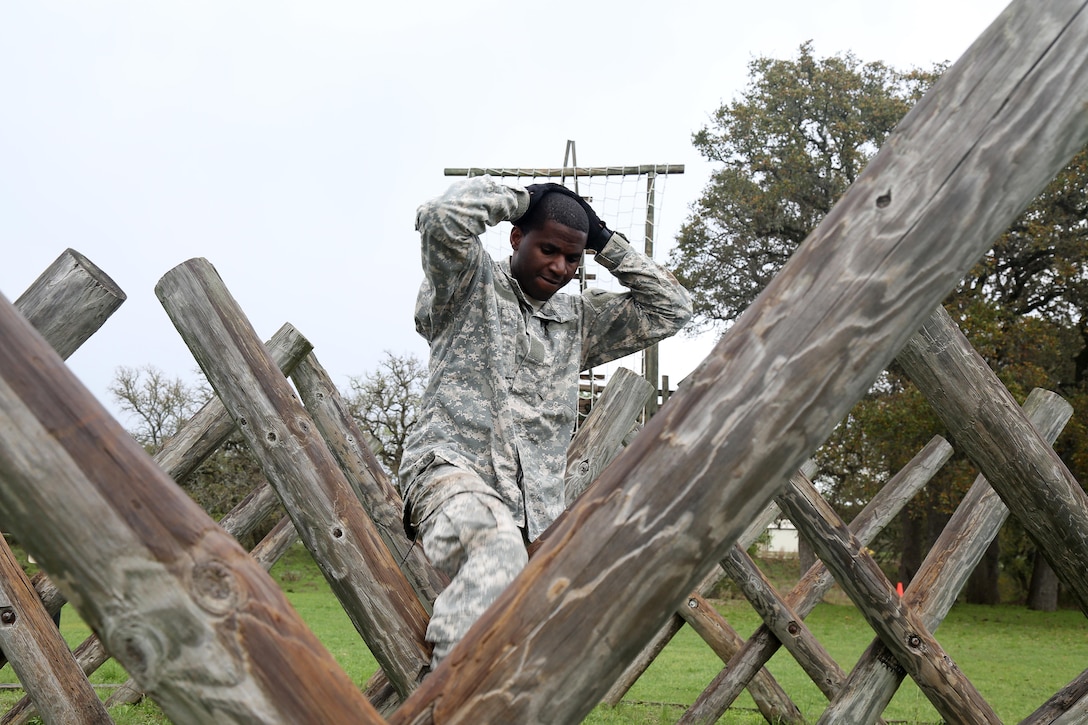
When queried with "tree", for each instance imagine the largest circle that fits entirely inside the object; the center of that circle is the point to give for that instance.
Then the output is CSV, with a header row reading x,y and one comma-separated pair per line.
x,y
386,404
161,406
786,149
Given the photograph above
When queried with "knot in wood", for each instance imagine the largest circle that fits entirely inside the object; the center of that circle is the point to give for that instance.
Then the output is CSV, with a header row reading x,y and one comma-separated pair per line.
x,y
583,467
793,628
914,641
140,648
215,587
8,616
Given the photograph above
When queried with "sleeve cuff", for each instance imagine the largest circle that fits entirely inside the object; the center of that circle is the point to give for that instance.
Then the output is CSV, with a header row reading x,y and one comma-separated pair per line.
x,y
614,251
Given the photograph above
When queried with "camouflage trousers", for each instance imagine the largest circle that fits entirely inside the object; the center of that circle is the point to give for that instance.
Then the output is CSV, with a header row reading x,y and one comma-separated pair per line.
x,y
468,534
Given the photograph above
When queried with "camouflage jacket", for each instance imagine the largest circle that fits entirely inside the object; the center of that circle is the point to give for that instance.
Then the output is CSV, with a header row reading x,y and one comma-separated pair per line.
x,y
502,394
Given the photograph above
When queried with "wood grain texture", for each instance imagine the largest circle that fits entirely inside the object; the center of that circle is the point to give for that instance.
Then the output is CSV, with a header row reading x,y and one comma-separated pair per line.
x,y
982,143
900,629
365,475
803,598
266,553
986,423
67,304
600,437
327,514
180,455
1068,706
943,574
38,654
662,637
70,301
205,631
773,702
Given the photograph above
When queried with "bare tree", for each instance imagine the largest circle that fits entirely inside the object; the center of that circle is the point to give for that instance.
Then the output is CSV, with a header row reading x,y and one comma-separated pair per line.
x,y
159,404
386,404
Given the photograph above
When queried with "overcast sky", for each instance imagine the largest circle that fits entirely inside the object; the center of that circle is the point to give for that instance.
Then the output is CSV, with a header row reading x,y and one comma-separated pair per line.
x,y
290,143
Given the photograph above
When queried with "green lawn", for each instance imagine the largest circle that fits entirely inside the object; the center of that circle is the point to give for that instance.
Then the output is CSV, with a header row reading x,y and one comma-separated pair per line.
x,y
1015,657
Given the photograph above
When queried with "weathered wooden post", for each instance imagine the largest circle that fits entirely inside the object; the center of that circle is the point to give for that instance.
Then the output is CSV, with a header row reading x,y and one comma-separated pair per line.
x,y
370,483
67,304
266,553
804,597
186,611
327,514
198,439
987,424
960,166
600,437
934,589
69,301
901,629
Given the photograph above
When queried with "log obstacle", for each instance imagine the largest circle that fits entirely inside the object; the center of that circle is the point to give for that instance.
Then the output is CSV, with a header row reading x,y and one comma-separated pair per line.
x,y
175,599
200,626
947,182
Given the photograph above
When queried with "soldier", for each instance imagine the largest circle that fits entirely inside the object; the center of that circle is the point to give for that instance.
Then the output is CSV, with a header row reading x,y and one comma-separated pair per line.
x,y
482,473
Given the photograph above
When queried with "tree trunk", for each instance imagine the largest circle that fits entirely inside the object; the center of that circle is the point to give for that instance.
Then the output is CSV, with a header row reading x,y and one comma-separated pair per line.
x,y
1043,591
805,555
912,535
982,585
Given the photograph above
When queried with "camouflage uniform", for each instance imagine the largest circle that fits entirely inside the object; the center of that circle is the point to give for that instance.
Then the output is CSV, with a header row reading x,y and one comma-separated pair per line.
x,y
501,402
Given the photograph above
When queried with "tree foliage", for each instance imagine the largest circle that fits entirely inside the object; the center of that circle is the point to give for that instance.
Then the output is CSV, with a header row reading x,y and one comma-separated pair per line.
x,y
786,149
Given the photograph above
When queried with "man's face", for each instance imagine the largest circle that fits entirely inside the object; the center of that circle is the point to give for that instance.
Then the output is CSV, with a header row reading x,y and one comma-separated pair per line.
x,y
545,259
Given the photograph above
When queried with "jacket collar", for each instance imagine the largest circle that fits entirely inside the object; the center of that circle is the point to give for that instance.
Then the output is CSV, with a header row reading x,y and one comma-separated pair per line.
x,y
560,308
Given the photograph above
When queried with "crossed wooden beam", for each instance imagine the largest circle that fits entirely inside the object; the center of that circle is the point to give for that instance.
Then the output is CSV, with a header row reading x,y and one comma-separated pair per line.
x,y
200,627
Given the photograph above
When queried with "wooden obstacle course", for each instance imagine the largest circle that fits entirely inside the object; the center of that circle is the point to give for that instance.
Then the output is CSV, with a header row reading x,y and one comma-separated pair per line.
x,y
657,520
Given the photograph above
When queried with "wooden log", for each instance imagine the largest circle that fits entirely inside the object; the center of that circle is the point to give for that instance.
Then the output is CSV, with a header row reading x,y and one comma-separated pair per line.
x,y
275,543
969,156
368,480
184,609
39,655
193,443
202,434
89,656
197,439
900,628
787,625
328,516
1068,706
773,702
761,646
600,437
69,301
643,660
933,590
67,304
987,424
662,637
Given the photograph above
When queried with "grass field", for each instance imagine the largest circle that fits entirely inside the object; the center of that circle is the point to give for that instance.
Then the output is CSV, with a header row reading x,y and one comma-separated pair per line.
x,y
1015,657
